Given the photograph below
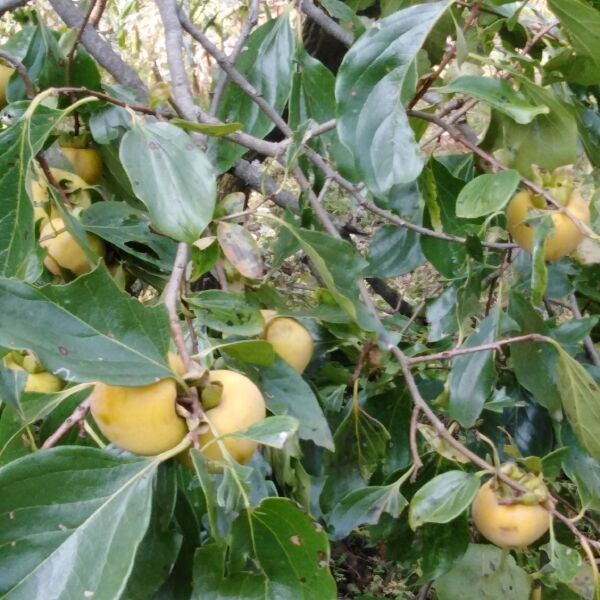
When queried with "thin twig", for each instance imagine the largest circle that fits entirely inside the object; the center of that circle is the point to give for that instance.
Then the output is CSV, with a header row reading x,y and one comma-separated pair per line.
x,y
171,297
429,81
451,354
21,71
71,56
222,78
77,416
414,445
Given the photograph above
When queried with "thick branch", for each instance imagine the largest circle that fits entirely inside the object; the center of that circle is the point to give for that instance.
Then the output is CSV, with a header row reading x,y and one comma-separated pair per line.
x,y
325,22
6,5
98,48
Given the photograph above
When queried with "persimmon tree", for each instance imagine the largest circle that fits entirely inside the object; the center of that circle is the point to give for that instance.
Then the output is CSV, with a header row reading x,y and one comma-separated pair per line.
x,y
222,374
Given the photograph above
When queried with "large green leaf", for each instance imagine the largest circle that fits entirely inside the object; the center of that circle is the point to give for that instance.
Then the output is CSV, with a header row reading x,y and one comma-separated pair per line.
x,y
497,93
267,63
87,330
473,375
72,523
286,392
535,362
488,573
290,555
522,146
581,468
18,146
580,397
172,176
376,79
443,498
313,99
582,23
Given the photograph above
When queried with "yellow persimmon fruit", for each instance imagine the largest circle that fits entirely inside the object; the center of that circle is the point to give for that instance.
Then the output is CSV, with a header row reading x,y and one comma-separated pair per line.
x,y
565,236
241,405
42,382
87,162
140,419
5,74
508,525
63,250
290,340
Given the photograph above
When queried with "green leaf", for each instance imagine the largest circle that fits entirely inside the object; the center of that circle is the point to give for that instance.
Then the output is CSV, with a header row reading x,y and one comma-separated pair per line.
x,y
393,409
171,176
206,128
313,100
498,94
375,81
226,312
362,442
240,249
535,362
162,542
565,562
473,375
255,352
582,469
539,272
441,315
443,498
289,553
535,144
72,511
487,573
486,194
286,392
365,506
580,397
582,23
75,336
272,431
267,63
129,230
18,146
337,262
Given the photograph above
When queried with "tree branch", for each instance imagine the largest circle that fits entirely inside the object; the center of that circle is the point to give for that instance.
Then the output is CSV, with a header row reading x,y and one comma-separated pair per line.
x,y
249,25
451,354
6,5
325,22
98,48
21,71
77,416
496,164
